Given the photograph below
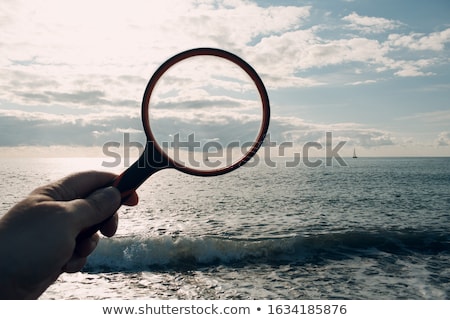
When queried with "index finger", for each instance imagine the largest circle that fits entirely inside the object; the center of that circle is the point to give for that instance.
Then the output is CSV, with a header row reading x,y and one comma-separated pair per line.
x,y
76,186
95,209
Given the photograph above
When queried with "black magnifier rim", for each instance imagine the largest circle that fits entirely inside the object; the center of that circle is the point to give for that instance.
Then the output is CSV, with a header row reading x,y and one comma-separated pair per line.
x,y
217,53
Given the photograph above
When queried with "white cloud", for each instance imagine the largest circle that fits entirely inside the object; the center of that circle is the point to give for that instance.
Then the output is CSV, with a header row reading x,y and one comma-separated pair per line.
x,y
344,51
367,24
109,33
82,119
84,65
282,59
356,83
46,128
299,131
55,51
129,130
435,41
434,117
412,68
58,52
443,139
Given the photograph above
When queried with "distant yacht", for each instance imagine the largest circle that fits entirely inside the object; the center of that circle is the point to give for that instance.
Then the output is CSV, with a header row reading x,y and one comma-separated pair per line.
x,y
354,154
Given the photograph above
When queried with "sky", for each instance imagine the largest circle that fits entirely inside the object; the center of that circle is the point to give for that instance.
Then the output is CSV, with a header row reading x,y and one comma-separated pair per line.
x,y
374,73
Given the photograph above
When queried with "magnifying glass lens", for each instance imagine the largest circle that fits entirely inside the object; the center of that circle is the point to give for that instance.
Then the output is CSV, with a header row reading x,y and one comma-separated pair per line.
x,y
205,113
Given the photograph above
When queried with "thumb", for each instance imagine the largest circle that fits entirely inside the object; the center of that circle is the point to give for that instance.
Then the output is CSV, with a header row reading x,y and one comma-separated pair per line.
x,y
97,207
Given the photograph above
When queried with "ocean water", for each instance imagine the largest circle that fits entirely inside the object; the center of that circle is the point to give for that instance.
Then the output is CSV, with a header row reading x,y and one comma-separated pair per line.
x,y
378,228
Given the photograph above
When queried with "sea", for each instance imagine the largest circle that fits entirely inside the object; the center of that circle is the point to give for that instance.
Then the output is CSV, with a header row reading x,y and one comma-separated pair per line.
x,y
375,228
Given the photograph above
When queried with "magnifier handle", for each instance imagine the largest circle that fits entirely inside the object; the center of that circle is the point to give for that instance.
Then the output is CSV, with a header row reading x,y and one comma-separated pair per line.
x,y
132,178
127,183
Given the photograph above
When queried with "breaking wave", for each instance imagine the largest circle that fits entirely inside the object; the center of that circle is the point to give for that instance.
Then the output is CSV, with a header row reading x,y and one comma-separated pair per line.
x,y
131,254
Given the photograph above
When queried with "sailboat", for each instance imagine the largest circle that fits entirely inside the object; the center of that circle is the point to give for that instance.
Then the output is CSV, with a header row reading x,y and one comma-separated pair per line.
x,y
354,154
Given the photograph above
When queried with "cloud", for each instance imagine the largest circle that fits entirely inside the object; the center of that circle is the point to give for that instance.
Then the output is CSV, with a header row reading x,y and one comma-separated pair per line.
x,y
344,51
412,68
93,129
51,86
372,138
141,33
367,24
299,131
66,78
88,98
88,129
44,128
292,58
435,41
64,54
234,24
443,139
433,117
53,58
356,83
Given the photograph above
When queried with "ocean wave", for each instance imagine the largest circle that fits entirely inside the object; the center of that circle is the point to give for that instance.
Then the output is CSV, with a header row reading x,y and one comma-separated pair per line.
x,y
131,254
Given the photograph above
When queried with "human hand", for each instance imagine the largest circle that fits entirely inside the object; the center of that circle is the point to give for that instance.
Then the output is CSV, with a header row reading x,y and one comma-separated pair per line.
x,y
38,236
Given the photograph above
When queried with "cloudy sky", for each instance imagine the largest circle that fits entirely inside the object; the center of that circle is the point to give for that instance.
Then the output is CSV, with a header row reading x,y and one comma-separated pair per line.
x,y
374,73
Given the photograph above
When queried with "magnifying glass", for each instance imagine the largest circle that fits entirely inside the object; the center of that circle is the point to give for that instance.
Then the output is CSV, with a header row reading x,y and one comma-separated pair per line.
x,y
205,112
